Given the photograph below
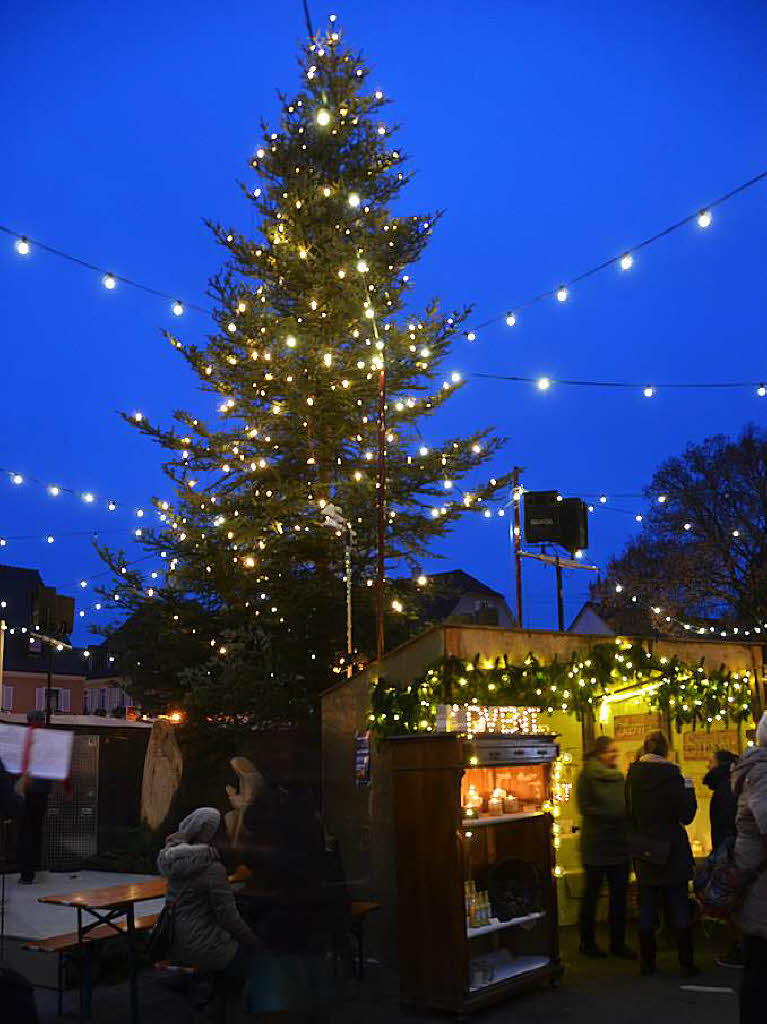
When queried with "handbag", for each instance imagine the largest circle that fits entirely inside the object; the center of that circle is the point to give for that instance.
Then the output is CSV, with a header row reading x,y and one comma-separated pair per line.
x,y
720,885
653,851
163,933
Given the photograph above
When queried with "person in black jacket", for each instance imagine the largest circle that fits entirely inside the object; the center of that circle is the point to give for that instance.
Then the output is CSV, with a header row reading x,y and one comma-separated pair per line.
x,y
660,803
11,802
723,801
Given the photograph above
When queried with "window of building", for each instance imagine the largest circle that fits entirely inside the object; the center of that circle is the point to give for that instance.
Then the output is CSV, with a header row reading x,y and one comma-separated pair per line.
x,y
7,698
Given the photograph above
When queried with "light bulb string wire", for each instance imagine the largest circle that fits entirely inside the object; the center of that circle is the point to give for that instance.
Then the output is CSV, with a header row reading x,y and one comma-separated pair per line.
x,y
690,386
612,260
52,250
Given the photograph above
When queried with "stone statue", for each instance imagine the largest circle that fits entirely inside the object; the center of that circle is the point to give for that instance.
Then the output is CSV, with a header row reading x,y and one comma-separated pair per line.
x,y
250,784
163,768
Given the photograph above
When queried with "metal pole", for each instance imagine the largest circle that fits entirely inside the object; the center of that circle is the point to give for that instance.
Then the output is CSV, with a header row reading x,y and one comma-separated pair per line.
x,y
2,650
381,510
48,686
517,539
560,599
349,647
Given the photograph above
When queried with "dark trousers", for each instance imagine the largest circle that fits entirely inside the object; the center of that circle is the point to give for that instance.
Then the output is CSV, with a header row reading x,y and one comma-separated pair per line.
x,y
617,883
30,850
752,983
674,900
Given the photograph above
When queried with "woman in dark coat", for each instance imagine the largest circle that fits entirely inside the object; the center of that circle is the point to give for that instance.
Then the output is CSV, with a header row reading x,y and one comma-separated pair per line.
x,y
660,804
600,793
723,800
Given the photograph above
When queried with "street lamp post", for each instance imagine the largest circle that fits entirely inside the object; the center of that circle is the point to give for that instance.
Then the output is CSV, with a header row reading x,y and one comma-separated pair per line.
x,y
335,520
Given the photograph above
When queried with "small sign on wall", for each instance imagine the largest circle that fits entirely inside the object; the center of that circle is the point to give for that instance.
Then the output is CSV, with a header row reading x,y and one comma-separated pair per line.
x,y
362,758
635,727
700,745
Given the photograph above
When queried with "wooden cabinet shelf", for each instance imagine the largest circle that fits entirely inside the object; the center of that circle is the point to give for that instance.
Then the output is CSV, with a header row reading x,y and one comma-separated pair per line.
x,y
444,965
497,926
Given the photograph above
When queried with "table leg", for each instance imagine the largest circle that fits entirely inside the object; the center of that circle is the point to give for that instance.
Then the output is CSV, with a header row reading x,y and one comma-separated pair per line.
x,y
84,966
130,927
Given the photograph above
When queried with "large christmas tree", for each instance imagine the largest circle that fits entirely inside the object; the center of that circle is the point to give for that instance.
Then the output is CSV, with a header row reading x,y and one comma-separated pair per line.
x,y
311,320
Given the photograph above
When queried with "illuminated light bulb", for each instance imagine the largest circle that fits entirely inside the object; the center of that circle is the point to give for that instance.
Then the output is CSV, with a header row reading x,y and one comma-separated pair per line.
x,y
358,476
88,498
761,391
3,542
423,451
396,606
17,479
362,266
22,246
322,117
447,484
54,491
83,583
736,533
378,94
177,308
343,111
370,313
471,336
49,538
618,588
603,498
455,377
111,506
310,400
562,294
662,498
627,261
688,526
435,513
342,273
138,417
231,326
704,218
290,341
327,359
249,562
422,581
648,391
488,513
326,192
109,281
543,384
302,254
381,130
579,554
139,513
353,200
510,319
344,383
638,518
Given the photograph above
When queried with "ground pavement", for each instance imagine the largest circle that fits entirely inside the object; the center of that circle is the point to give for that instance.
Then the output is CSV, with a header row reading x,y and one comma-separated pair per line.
x,y
609,991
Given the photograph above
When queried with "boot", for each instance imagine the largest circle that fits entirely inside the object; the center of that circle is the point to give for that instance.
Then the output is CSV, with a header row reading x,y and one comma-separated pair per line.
x,y
684,947
647,951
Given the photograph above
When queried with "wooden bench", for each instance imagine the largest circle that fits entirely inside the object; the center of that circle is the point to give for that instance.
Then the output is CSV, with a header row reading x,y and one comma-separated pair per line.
x,y
67,945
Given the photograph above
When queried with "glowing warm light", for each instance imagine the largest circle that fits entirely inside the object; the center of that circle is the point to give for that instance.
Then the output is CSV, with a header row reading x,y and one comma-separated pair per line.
x,y
627,261
326,191
290,341
761,391
22,246
510,319
423,451
396,606
562,294
177,308
422,581
17,479
543,384
688,526
648,391
455,377
362,266
88,498
249,562
370,313
50,538
471,336
704,218
322,117
109,281
54,491
327,359
353,200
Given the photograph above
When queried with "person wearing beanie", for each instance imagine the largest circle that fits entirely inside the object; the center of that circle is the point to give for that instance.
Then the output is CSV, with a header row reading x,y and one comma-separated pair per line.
x,y
749,784
209,933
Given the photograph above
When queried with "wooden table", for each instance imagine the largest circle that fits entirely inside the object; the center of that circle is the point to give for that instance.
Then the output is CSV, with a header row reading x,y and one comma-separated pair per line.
x,y
105,906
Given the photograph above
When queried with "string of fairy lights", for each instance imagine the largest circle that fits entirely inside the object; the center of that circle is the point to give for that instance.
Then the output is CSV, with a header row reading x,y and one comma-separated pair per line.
x,y
24,246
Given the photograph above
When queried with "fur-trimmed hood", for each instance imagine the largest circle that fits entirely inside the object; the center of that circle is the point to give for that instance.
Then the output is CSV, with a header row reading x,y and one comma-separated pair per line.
x,y
185,860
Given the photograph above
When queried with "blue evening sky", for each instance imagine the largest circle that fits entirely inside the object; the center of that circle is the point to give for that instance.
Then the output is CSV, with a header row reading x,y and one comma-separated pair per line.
x,y
553,134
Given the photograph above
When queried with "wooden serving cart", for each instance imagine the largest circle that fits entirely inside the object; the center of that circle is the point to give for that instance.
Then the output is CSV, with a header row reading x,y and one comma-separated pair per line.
x,y
506,849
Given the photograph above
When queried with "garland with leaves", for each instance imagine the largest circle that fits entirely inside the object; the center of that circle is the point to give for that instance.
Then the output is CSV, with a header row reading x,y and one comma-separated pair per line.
x,y
689,694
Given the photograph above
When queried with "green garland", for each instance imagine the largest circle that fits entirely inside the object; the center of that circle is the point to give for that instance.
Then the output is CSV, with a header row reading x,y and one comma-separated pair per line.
x,y
575,685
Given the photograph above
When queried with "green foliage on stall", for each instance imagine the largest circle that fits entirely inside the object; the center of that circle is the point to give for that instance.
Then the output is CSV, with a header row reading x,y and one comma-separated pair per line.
x,y
690,694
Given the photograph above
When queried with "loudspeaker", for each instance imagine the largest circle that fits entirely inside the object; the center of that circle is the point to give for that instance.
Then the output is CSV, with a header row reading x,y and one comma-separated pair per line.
x,y
548,519
53,613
